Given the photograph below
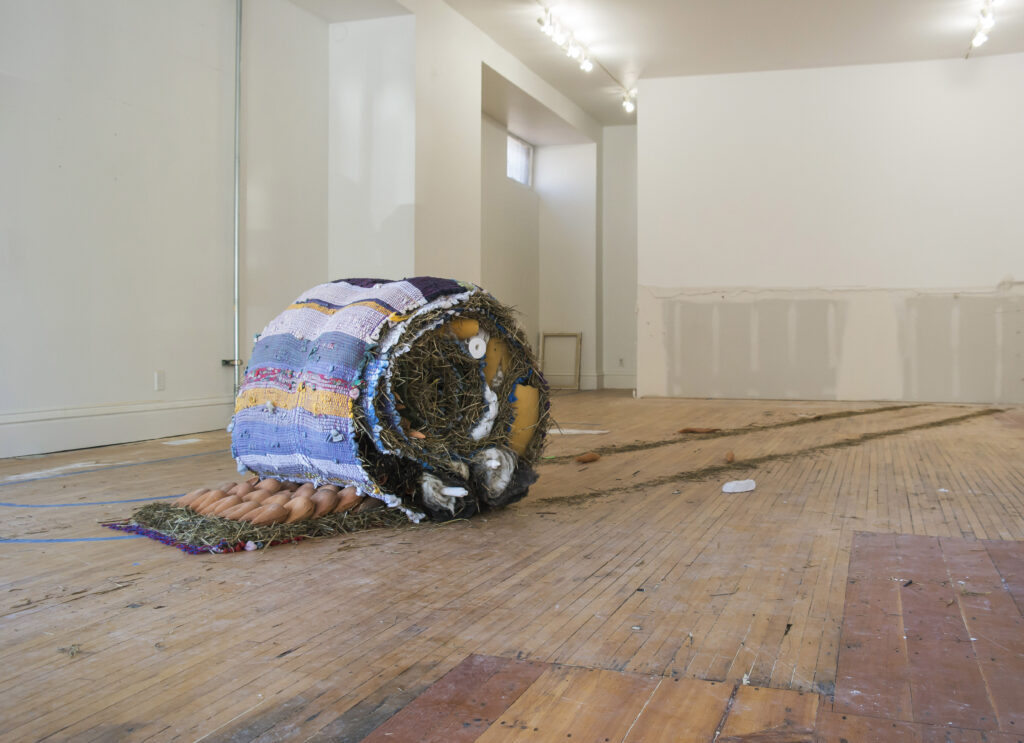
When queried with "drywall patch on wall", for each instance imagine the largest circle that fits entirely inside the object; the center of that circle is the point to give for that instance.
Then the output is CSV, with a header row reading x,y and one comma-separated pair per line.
x,y
943,346
867,347
751,346
966,346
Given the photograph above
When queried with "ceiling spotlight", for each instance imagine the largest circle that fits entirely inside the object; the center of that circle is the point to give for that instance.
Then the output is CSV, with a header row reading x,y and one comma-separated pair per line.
x,y
986,20
566,40
545,23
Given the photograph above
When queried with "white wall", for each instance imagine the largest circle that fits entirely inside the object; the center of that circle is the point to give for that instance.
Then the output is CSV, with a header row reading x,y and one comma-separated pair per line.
x,y
449,54
116,197
833,233
284,159
115,220
565,180
618,279
510,232
372,148
116,208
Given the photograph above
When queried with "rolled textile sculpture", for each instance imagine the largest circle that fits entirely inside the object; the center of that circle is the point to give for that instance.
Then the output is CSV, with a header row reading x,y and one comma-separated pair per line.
x,y
422,393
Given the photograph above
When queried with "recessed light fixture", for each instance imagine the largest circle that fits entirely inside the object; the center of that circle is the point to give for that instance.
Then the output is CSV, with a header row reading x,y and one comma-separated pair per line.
x,y
566,40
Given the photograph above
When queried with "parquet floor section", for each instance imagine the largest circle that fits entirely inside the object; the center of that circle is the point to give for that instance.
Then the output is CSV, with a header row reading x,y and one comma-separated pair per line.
x,y
486,699
636,564
933,634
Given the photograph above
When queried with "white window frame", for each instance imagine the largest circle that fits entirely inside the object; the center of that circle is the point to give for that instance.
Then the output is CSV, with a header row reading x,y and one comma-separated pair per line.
x,y
513,167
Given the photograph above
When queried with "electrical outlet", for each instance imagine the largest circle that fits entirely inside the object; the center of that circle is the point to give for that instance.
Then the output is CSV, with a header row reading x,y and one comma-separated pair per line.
x,y
159,380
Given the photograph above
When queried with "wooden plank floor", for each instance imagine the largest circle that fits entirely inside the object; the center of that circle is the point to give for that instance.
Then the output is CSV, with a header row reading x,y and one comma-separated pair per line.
x,y
635,565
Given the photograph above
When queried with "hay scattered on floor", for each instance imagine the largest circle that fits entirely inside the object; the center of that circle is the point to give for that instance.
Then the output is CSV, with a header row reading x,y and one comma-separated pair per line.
x,y
742,466
725,433
185,528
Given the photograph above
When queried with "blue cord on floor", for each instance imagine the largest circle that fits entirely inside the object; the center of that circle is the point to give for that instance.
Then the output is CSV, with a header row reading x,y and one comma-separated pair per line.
x,y
97,503
75,539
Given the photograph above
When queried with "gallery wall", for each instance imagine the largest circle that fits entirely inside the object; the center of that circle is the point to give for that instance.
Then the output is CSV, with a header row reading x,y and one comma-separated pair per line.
x,y
510,232
450,52
116,208
840,233
115,220
116,198
372,179
566,181
285,159
618,257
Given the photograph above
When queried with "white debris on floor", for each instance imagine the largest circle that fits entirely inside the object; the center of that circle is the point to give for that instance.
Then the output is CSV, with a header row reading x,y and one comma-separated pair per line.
x,y
739,486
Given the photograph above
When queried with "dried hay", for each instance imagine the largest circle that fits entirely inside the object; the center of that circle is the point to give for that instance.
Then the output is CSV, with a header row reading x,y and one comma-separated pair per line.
x,y
185,528
439,390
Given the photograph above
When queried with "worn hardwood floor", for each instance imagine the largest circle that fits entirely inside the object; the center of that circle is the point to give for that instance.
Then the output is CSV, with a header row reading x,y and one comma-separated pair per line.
x,y
636,567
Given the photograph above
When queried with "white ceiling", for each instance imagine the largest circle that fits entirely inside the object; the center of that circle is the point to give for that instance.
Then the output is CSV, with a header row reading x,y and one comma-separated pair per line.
x,y
523,115
637,39
345,11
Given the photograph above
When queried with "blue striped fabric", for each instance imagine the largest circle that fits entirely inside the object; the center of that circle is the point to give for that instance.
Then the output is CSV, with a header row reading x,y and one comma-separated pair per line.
x,y
337,355
294,412
258,431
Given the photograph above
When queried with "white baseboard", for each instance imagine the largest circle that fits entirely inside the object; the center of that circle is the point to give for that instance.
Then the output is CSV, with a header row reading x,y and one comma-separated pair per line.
x,y
42,431
619,381
588,380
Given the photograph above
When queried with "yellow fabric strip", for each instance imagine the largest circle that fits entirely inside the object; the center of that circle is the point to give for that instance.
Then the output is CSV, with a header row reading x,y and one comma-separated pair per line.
x,y
311,306
328,311
317,402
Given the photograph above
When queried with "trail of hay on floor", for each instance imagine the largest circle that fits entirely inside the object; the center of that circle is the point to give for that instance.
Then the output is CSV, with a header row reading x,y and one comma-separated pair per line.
x,y
188,527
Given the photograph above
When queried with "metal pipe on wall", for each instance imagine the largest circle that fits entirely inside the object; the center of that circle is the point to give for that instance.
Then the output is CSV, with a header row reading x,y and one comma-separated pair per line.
x,y
237,359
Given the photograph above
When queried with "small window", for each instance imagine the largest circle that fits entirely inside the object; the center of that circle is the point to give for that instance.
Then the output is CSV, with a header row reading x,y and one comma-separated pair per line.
x,y
520,161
